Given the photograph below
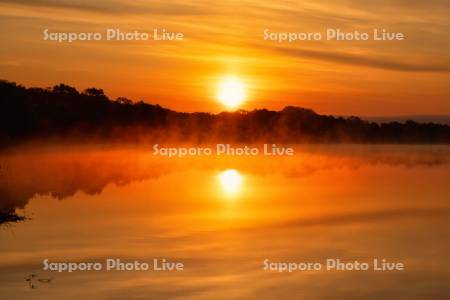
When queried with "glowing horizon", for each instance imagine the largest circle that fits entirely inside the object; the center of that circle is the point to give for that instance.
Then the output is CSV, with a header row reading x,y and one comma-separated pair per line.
x,y
365,78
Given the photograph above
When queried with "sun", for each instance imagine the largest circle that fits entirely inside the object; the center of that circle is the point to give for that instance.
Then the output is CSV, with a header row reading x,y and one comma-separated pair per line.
x,y
231,92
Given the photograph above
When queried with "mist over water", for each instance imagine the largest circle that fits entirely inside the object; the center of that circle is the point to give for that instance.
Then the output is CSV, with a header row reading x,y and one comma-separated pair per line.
x,y
93,202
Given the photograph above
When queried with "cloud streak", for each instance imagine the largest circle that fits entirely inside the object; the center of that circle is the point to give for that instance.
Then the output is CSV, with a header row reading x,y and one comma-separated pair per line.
x,y
115,7
358,60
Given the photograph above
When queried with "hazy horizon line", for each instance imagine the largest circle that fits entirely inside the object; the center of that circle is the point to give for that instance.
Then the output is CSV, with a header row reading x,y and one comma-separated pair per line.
x,y
421,118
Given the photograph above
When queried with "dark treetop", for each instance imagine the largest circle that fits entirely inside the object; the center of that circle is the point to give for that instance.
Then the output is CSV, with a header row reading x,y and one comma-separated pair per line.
x,y
64,112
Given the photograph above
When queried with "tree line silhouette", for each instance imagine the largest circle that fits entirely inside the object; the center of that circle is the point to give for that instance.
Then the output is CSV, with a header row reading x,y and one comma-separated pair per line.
x,y
64,112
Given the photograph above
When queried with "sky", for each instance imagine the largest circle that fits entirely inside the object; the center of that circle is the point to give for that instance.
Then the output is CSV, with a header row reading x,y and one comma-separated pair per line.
x,y
226,38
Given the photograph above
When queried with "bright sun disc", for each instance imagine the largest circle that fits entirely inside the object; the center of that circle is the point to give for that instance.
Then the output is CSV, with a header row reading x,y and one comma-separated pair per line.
x,y
231,92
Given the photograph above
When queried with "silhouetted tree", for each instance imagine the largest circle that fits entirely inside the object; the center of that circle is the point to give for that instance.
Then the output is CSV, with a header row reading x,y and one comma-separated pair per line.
x,y
62,111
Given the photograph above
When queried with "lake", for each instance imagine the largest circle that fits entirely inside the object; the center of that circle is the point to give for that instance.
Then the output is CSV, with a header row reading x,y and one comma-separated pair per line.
x,y
225,219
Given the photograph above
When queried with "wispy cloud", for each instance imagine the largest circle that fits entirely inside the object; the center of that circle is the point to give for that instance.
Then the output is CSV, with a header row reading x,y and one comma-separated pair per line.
x,y
359,60
116,7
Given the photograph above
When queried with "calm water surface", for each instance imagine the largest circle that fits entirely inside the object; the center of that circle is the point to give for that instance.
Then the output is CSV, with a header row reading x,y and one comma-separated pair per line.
x,y
222,217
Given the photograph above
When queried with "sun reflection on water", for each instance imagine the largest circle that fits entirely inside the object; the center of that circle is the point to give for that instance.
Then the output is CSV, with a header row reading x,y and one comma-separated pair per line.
x,y
231,181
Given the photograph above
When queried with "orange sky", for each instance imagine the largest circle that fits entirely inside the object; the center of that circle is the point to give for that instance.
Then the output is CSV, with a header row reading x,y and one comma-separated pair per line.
x,y
368,78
